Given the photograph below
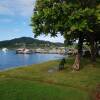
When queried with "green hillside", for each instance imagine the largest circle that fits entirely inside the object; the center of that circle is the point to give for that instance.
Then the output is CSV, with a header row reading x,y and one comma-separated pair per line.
x,y
29,42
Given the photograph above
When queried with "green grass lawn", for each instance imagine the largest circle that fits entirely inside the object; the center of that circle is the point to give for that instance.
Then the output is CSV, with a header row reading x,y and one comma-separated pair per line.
x,y
17,89
36,83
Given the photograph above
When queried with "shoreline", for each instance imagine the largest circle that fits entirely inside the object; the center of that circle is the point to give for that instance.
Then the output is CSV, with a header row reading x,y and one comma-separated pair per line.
x,y
15,67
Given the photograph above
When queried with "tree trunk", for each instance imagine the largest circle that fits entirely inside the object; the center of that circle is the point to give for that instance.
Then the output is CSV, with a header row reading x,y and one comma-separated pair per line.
x,y
76,65
80,44
97,49
92,47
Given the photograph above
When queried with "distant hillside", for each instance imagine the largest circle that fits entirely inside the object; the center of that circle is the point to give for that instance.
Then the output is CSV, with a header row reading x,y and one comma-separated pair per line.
x,y
29,42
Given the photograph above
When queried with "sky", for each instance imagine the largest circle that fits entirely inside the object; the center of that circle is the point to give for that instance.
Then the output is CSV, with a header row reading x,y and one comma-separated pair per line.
x,y
15,21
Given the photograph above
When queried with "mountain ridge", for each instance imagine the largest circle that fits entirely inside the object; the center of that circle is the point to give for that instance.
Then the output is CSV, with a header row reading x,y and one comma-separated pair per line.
x,y
28,41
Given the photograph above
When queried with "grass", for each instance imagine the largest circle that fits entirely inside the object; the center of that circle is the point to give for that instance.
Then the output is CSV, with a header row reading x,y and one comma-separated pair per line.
x,y
36,83
17,89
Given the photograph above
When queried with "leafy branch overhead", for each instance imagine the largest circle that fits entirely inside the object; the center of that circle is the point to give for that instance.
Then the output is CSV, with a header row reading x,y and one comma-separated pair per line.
x,y
64,17
74,19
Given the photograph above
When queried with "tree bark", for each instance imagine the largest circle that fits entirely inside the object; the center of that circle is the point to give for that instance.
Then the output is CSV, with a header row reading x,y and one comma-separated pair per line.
x,y
76,65
97,49
92,47
80,44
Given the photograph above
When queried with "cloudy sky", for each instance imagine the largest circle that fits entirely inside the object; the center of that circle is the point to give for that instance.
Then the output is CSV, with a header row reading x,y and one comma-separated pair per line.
x,y
15,19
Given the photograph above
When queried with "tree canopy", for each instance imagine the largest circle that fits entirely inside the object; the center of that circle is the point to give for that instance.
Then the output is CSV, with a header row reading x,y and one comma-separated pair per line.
x,y
65,17
74,19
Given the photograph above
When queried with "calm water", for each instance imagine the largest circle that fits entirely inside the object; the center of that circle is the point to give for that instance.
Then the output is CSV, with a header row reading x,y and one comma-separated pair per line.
x,y
10,59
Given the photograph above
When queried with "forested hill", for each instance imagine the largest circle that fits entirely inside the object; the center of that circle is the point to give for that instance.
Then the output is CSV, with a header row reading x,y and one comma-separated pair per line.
x,y
29,42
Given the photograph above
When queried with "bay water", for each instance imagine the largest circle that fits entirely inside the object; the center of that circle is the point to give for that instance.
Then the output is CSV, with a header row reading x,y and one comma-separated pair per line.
x,y
10,59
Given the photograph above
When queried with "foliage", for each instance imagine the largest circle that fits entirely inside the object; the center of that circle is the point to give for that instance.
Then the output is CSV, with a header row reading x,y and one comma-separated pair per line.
x,y
74,19
65,17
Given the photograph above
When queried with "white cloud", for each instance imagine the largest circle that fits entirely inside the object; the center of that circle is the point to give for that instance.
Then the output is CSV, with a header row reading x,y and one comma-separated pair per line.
x,y
23,7
59,38
17,7
4,10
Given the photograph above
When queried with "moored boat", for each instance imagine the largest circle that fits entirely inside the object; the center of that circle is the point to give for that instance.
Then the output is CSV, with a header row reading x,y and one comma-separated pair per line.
x,y
4,49
24,51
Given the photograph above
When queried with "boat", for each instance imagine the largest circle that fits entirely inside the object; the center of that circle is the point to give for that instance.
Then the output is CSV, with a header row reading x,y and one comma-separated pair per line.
x,y
4,49
24,51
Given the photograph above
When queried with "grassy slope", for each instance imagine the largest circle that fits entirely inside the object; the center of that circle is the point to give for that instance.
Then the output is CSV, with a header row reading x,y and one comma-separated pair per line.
x,y
35,83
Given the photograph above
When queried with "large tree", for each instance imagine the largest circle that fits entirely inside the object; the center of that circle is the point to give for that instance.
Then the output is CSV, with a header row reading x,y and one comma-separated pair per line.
x,y
74,19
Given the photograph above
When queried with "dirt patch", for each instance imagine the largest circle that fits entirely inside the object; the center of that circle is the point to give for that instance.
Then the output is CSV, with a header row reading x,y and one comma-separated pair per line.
x,y
52,70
